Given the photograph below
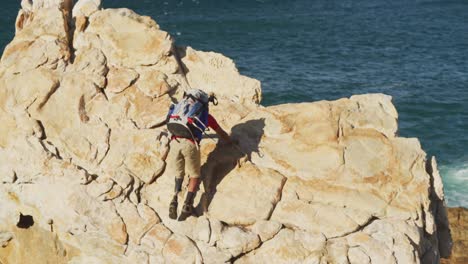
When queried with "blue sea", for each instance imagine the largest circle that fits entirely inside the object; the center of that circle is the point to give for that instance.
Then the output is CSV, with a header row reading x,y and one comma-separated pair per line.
x,y
309,50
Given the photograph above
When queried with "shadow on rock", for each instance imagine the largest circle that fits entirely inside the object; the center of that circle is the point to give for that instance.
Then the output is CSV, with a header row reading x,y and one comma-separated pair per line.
x,y
225,158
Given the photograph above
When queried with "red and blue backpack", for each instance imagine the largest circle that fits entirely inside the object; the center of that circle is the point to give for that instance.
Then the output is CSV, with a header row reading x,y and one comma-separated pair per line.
x,y
189,117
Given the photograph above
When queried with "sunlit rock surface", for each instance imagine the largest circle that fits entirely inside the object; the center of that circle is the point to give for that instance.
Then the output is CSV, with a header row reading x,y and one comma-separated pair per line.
x,y
458,218
84,91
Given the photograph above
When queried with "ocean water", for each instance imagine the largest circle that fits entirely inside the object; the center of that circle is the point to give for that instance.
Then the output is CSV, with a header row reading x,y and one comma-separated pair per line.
x,y
309,50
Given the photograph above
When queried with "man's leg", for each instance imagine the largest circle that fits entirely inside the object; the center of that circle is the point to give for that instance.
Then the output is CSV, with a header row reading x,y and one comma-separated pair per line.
x,y
187,208
191,193
193,184
192,166
176,162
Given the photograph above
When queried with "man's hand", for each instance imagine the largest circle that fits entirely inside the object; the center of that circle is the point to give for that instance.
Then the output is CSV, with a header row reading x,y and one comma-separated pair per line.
x,y
163,139
163,133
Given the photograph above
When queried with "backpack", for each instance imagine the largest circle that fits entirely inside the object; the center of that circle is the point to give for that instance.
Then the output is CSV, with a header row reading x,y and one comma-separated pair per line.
x,y
189,118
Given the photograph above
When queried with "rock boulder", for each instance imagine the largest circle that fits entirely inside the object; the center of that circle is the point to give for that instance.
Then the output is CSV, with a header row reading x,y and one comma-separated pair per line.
x,y
83,175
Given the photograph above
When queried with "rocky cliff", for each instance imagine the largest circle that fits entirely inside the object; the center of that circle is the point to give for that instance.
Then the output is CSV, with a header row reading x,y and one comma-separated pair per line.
x,y
84,91
458,218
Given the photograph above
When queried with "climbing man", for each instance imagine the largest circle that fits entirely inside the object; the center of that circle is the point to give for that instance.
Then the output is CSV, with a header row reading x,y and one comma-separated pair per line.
x,y
187,121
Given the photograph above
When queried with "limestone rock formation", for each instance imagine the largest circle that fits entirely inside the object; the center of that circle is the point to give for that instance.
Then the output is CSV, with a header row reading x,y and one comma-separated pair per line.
x,y
84,93
458,218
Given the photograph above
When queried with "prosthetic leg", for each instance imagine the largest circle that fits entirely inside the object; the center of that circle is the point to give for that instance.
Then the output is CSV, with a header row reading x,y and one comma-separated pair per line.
x,y
173,205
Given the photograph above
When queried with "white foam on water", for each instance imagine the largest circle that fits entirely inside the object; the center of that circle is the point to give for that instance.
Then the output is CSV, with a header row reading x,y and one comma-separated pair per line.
x,y
461,175
455,178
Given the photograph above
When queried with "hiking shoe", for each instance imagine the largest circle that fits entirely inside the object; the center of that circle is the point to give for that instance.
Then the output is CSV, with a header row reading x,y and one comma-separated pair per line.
x,y
187,210
173,208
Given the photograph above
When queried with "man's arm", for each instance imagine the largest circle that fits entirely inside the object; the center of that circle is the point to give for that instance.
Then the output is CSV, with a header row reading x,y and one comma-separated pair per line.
x,y
219,130
223,135
169,113
164,131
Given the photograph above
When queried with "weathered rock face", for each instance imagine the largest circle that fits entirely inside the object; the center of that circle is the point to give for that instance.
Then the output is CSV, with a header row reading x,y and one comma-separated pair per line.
x,y
84,92
458,218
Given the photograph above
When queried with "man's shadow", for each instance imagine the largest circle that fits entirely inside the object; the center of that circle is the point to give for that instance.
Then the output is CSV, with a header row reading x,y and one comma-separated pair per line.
x,y
224,158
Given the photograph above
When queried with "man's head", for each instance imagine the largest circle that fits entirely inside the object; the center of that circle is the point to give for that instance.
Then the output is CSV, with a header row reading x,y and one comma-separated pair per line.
x,y
202,96
197,94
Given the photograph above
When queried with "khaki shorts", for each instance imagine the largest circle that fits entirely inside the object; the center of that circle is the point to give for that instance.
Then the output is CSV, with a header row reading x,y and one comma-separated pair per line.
x,y
184,158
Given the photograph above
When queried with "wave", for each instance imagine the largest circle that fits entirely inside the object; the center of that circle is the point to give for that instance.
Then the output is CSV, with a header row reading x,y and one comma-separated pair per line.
x,y
455,178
